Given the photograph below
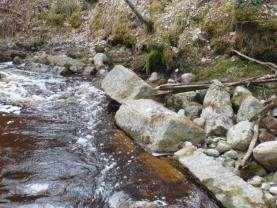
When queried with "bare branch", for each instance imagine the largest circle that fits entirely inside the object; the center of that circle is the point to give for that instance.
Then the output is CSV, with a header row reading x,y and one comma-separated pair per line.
x,y
144,20
270,65
184,88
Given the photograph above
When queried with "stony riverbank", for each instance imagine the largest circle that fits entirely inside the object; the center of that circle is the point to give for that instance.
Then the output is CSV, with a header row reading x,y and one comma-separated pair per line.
x,y
226,137
207,131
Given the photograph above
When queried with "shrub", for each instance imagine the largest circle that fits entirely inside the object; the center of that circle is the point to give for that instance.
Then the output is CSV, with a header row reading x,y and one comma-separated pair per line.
x,y
64,10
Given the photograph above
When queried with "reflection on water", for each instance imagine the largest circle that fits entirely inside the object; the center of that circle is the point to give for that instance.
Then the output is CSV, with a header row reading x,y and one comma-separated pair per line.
x,y
60,149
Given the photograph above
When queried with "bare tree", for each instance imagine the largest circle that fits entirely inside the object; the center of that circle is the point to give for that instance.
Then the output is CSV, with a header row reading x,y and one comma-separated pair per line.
x,y
142,19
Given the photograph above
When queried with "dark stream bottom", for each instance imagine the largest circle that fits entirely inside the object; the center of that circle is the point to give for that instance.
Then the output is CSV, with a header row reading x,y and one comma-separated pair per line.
x,y
51,156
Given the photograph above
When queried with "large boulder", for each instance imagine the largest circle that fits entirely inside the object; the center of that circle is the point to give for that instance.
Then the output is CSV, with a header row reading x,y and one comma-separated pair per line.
x,y
239,136
249,107
122,84
218,112
155,127
231,190
266,154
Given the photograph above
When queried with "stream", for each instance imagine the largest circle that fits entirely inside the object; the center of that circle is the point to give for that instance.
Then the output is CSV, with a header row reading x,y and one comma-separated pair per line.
x,y
59,148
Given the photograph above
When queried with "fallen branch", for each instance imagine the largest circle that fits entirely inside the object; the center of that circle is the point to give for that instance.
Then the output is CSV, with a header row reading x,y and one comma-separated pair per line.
x,y
186,88
252,145
144,20
270,65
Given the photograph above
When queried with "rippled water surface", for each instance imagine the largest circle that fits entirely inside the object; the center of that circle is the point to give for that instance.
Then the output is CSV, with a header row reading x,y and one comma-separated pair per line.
x,y
59,148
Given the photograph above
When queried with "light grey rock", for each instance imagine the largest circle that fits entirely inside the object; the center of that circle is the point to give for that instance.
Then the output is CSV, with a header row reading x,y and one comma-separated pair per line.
x,y
239,136
100,60
182,113
185,151
266,186
232,154
123,84
193,109
71,64
273,190
211,152
89,70
155,127
171,81
223,146
216,139
266,154
153,77
228,188
248,108
103,72
218,112
256,181
274,112
240,94
188,78
199,121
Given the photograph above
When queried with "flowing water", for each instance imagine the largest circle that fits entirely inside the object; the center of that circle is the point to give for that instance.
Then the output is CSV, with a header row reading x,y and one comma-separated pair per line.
x,y
59,148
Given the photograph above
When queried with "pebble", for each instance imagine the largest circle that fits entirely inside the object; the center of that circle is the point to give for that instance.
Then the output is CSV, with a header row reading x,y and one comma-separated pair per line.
x,y
223,146
199,121
182,113
153,77
216,139
188,78
170,81
273,190
211,152
232,154
256,181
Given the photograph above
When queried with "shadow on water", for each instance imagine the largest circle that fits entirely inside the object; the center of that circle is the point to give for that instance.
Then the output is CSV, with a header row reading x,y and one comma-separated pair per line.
x,y
63,150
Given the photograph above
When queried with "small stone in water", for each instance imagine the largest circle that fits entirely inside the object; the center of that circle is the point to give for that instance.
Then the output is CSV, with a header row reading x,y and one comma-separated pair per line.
x,y
211,152
273,190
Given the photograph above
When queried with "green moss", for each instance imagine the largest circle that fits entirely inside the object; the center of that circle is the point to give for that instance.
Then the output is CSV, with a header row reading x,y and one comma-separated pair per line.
x,y
156,56
62,11
228,69
245,26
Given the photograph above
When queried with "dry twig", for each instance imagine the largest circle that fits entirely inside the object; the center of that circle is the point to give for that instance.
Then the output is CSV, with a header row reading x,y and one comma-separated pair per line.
x,y
144,20
270,65
184,88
